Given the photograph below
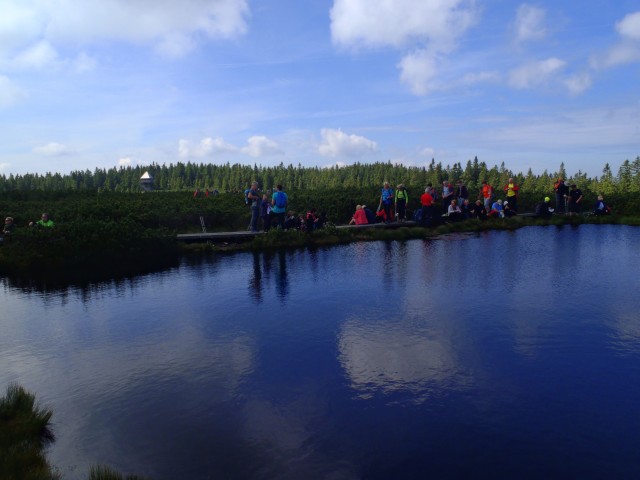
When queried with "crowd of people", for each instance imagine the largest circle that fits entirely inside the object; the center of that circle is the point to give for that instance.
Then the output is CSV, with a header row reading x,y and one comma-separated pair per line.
x,y
452,204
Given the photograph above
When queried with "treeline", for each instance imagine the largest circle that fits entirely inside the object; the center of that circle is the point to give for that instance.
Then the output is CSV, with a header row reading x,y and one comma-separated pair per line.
x,y
227,177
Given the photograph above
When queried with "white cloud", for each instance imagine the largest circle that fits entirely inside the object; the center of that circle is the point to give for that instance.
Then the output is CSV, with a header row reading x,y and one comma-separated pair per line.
x,y
39,56
629,26
620,54
207,146
529,23
419,70
535,73
84,63
357,23
337,143
53,150
125,162
259,146
10,93
157,23
4,166
577,84
429,28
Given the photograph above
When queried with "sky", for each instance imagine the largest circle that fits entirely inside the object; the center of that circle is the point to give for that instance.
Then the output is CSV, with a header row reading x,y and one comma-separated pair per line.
x,y
111,83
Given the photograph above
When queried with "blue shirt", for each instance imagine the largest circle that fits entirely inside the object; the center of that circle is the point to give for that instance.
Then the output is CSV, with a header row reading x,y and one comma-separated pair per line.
x,y
275,208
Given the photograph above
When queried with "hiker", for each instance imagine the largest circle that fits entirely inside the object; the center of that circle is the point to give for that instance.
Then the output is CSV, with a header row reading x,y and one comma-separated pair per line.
x,y
601,208
265,213
466,208
402,198
447,194
543,209
254,201
507,210
291,222
371,217
311,220
44,222
562,191
486,193
453,212
426,200
497,211
279,202
8,229
512,189
462,193
360,217
478,210
386,200
575,200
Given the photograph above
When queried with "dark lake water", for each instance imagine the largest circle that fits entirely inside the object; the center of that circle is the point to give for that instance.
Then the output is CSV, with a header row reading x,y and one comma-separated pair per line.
x,y
500,355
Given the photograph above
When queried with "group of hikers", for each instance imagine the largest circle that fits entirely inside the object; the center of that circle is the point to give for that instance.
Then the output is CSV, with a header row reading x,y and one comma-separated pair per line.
x,y
272,211
452,203
10,226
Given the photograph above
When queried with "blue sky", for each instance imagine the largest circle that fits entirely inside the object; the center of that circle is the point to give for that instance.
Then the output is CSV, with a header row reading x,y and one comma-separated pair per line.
x,y
103,83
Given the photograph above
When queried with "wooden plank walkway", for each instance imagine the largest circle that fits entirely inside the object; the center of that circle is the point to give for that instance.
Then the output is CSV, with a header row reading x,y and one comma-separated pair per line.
x,y
246,235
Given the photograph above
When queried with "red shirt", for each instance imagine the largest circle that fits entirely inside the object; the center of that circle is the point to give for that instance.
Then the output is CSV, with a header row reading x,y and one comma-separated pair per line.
x,y
360,217
426,200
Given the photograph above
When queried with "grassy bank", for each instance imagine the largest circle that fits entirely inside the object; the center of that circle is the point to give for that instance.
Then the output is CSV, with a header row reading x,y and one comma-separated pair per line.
x,y
106,235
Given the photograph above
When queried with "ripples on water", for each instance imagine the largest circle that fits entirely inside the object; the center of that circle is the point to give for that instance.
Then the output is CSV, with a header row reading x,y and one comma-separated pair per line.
x,y
508,354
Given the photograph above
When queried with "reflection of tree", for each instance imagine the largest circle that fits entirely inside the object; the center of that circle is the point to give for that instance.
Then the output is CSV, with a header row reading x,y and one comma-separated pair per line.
x,y
255,286
282,280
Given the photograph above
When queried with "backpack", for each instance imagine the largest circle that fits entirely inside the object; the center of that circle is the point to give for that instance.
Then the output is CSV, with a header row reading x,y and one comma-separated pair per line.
x,y
246,196
281,200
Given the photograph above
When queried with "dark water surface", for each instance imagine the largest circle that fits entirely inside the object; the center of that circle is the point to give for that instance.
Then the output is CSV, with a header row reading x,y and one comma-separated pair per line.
x,y
504,355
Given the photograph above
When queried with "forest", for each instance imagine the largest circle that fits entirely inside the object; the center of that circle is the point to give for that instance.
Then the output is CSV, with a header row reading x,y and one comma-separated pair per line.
x,y
188,176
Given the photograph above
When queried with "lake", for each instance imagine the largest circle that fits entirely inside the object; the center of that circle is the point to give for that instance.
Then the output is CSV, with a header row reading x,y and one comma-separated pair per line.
x,y
501,354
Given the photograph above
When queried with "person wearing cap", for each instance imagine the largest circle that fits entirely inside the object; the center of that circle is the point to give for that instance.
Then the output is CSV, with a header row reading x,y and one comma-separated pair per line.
x,y
402,198
575,200
543,209
511,189
561,196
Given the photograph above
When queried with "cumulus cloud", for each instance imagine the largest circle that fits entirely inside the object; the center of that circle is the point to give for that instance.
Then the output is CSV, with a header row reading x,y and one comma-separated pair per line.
x,y
260,146
429,29
39,56
577,84
207,146
10,93
629,26
84,63
25,23
529,23
357,23
337,143
53,150
4,166
125,162
535,73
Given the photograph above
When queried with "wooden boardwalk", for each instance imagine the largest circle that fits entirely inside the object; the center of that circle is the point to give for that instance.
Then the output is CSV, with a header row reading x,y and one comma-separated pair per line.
x,y
246,235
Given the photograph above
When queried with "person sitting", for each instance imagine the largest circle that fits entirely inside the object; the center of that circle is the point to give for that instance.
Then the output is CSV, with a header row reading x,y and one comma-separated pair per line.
x,y
312,220
291,221
507,210
360,217
543,209
466,208
371,217
497,210
601,208
478,210
44,222
453,211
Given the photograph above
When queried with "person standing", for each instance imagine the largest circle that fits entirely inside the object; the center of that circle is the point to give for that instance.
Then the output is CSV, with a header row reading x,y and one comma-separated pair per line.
x,y
279,202
426,200
575,200
402,198
265,212
447,195
254,201
487,194
386,200
462,193
511,189
562,191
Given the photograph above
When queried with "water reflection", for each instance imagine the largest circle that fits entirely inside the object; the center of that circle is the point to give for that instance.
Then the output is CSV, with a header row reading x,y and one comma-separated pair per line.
x,y
269,267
